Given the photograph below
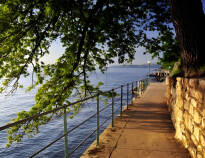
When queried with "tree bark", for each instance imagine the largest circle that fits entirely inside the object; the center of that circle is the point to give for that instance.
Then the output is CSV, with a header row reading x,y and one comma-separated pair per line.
x,y
189,22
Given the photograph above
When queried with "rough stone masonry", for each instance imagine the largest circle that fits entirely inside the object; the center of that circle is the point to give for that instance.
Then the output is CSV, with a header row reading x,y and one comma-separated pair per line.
x,y
186,102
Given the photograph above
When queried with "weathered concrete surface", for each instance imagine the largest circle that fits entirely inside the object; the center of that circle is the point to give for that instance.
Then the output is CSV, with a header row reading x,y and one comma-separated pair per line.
x,y
144,131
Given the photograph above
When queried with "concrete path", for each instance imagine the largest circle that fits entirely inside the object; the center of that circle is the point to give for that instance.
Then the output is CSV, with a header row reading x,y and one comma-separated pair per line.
x,y
144,131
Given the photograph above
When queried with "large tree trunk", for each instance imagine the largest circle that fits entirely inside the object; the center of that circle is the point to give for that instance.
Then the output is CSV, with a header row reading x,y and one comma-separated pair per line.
x,y
189,22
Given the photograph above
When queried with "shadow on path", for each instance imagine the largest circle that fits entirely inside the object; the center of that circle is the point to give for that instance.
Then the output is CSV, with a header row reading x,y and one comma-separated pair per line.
x,y
154,117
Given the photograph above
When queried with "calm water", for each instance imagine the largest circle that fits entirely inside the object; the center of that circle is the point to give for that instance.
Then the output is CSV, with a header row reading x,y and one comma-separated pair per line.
x,y
114,77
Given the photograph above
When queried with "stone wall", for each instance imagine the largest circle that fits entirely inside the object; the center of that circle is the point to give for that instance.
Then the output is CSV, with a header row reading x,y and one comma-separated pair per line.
x,y
186,102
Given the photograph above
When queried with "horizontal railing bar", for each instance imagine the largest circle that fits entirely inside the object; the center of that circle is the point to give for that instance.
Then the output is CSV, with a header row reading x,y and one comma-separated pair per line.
x,y
47,146
81,143
69,131
41,114
87,119
58,139
105,120
105,107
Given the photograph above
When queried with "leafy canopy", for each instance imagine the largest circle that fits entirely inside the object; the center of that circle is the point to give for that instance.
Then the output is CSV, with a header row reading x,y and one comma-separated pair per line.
x,y
166,48
93,33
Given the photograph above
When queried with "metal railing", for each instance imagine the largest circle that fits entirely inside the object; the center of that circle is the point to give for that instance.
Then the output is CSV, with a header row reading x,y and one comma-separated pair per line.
x,y
139,87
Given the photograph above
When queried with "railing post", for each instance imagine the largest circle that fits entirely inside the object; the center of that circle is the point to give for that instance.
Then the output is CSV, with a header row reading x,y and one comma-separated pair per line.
x,y
127,95
65,131
121,101
98,120
144,85
112,107
140,85
132,93
136,85
147,81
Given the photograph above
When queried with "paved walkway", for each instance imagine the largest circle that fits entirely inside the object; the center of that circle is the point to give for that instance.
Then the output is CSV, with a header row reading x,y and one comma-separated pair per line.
x,y
144,131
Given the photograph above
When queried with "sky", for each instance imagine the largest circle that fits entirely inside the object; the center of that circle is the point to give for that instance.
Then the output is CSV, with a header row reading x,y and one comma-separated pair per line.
x,y
56,50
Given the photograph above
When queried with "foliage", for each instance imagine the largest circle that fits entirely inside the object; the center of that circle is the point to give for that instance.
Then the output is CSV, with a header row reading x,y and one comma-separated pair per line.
x,y
166,48
202,70
176,71
170,53
93,33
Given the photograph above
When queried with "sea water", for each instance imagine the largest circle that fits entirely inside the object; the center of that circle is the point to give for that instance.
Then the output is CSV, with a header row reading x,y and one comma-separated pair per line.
x,y
10,105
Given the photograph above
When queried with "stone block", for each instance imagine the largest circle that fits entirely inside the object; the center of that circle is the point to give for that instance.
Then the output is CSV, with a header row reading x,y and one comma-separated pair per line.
x,y
203,123
188,122
179,102
193,83
186,105
202,83
191,110
190,127
199,148
202,140
185,141
193,102
182,127
197,117
199,96
188,88
200,106
178,114
186,115
199,155
187,135
203,153
192,151
179,86
196,133
194,140
203,112
178,133
186,81
179,91
187,97
179,80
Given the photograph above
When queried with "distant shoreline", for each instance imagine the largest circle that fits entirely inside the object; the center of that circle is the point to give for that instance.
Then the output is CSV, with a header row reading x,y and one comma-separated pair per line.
x,y
133,66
